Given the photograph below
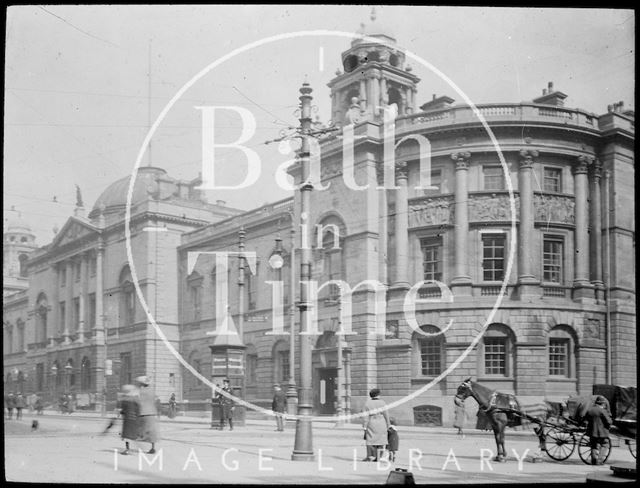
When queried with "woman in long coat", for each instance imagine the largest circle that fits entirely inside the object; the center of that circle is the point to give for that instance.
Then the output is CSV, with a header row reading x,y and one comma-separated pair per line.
x,y
147,415
129,409
376,425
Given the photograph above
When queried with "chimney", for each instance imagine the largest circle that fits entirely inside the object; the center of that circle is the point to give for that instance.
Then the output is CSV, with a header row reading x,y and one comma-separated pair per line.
x,y
551,97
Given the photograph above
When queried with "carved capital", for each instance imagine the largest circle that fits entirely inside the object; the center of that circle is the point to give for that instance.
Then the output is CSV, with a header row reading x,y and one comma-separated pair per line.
x,y
582,164
461,159
596,169
402,170
527,158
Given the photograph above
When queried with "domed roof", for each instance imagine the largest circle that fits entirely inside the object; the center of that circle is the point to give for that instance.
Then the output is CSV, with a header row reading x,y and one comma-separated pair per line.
x,y
15,224
114,197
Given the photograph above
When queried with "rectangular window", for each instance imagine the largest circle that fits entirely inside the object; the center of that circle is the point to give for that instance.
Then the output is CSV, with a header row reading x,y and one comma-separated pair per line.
x,y
432,259
77,266
552,259
493,257
493,177
552,180
76,314
126,376
91,320
63,315
559,357
495,356
431,357
92,265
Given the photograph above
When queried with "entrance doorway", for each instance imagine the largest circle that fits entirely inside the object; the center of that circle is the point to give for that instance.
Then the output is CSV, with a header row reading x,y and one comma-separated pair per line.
x,y
326,396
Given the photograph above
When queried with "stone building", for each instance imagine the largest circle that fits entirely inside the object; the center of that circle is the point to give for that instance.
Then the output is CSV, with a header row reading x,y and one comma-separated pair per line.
x,y
559,311
81,328
564,318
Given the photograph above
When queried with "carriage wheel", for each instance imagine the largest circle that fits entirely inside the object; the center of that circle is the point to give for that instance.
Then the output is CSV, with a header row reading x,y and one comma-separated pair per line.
x,y
631,444
559,444
584,449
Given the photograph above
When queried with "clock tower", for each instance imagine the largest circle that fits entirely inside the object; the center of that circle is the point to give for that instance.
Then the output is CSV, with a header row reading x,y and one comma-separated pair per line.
x,y
375,75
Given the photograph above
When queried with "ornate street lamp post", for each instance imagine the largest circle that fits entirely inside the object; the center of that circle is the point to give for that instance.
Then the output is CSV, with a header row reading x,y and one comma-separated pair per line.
x,y
292,391
303,446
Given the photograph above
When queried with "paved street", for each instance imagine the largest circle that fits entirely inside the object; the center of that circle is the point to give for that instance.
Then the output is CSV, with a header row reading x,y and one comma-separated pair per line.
x,y
70,449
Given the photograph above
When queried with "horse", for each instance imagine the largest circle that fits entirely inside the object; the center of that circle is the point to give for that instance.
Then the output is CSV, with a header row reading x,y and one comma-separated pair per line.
x,y
501,409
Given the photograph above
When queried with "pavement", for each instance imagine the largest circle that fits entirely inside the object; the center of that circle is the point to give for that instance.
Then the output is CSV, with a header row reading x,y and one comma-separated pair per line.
x,y
72,449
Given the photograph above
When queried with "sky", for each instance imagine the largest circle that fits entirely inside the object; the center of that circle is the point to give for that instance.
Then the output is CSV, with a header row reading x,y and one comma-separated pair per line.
x,y
83,84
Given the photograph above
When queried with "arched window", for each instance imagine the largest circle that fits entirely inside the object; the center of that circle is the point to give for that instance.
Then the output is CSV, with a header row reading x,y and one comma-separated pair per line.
x,y
191,381
128,300
562,352
394,96
42,309
498,351
85,374
280,362
23,264
428,352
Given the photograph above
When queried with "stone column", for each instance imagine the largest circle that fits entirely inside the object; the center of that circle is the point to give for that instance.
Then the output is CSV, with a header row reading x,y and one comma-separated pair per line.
x,y
582,286
82,296
363,95
68,307
383,232
53,319
375,92
527,282
384,96
461,283
401,228
99,332
596,230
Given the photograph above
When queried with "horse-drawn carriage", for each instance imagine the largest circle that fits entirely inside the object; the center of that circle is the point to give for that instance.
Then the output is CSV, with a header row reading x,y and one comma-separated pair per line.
x,y
563,426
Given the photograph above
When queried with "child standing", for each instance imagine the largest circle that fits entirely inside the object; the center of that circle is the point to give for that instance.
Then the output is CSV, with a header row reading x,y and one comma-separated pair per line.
x,y
392,439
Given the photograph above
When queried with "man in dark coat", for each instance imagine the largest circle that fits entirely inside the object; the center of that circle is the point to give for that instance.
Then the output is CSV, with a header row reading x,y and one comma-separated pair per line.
x,y
598,423
279,406
226,406
20,404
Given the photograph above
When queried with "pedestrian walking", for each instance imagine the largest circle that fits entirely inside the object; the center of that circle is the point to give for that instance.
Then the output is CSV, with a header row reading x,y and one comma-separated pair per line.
x,y
460,415
129,410
38,405
147,422
227,405
279,405
376,425
172,406
20,404
11,403
393,440
598,423
158,407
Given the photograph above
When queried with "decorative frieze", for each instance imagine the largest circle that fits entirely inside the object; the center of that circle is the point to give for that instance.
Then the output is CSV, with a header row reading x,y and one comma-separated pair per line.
x,y
553,208
483,208
432,211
